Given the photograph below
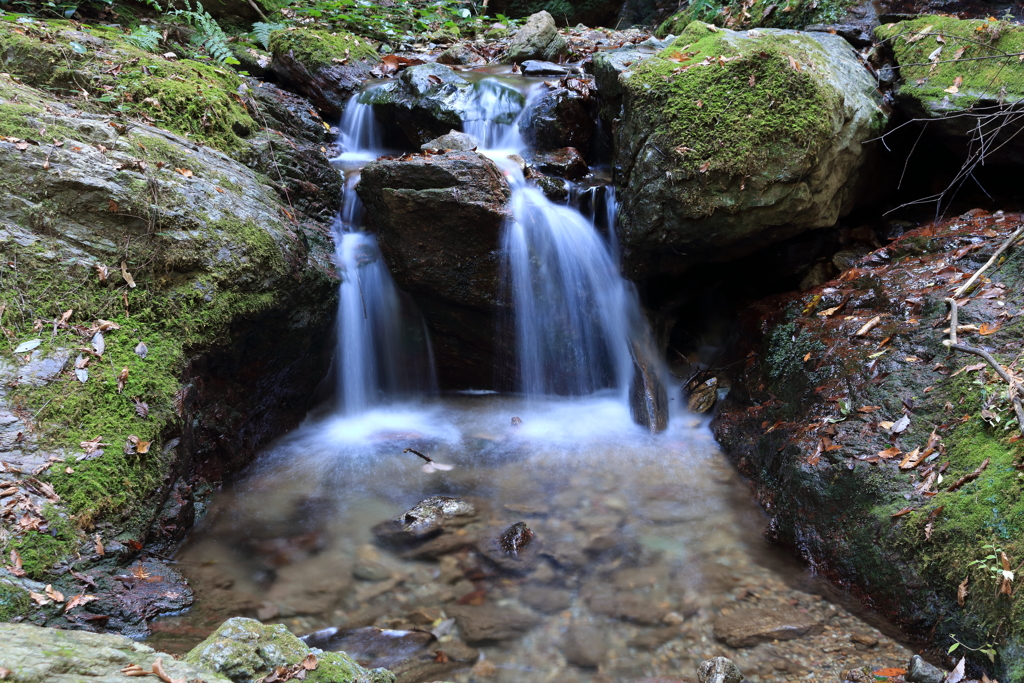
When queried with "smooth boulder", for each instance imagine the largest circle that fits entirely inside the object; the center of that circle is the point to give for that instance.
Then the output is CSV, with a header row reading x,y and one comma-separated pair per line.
x,y
538,39
733,140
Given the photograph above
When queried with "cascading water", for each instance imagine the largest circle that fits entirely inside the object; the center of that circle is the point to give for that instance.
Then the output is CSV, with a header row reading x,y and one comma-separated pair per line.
x,y
383,347
573,313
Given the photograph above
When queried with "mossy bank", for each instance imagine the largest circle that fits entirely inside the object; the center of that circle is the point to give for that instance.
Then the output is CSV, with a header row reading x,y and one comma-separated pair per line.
x,y
904,513
165,308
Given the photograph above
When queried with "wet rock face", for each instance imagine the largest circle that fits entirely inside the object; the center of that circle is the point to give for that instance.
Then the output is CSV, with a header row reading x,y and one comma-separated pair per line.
x,y
648,395
561,118
438,222
537,39
718,670
564,163
853,494
709,176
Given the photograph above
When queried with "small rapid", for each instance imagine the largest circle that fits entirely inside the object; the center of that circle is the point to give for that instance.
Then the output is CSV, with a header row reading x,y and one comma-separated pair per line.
x,y
383,348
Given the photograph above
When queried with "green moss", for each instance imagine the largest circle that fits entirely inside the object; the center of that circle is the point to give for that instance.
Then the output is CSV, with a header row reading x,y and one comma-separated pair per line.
x,y
335,666
315,49
40,550
793,14
739,114
14,600
189,97
960,49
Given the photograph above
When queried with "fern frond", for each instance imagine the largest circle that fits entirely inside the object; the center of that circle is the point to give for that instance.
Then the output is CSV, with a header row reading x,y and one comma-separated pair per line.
x,y
262,31
144,37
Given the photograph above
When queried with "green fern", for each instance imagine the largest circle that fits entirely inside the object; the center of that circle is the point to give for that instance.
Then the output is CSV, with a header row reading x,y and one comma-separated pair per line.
x,y
262,31
209,35
144,37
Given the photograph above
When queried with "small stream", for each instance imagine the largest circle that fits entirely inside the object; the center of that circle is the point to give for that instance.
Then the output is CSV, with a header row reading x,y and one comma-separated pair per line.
x,y
638,542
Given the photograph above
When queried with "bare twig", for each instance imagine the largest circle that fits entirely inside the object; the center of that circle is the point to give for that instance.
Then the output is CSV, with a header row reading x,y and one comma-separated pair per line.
x,y
999,252
415,452
1014,389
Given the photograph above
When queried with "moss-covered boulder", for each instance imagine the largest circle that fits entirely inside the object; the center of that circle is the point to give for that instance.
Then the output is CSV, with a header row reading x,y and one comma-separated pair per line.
x,y
246,651
731,140
31,654
537,39
565,12
888,462
166,308
325,67
744,14
964,78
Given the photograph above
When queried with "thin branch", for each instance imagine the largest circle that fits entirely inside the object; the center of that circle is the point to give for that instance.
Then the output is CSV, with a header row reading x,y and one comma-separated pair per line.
x,y
999,252
1013,391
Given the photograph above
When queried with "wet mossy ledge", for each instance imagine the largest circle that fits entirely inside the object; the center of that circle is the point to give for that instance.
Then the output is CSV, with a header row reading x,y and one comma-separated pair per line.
x,y
128,211
811,421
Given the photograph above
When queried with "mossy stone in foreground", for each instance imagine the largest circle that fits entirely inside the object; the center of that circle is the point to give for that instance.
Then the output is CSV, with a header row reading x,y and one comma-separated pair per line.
x,y
726,134
246,650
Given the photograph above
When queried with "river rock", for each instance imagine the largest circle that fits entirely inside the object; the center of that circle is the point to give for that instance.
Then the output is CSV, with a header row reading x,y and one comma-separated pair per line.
x,y
564,163
33,654
559,119
628,607
453,141
537,39
246,651
750,626
608,67
461,54
648,396
951,72
328,68
718,670
710,173
532,67
584,645
428,100
546,600
920,671
488,622
438,221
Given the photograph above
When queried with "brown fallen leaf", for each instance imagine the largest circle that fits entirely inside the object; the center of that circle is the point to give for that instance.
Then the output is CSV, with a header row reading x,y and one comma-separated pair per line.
x,y
135,670
184,171
122,377
911,459
989,328
961,593
92,446
868,409
53,593
16,568
310,662
158,671
102,271
99,546
890,452
126,275
79,600
902,512
38,599
112,206
137,445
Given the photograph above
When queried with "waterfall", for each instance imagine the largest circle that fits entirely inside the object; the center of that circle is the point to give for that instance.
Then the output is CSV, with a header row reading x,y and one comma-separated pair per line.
x,y
573,313
383,349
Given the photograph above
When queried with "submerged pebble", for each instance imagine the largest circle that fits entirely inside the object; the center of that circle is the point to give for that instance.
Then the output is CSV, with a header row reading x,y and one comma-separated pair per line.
x,y
431,513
